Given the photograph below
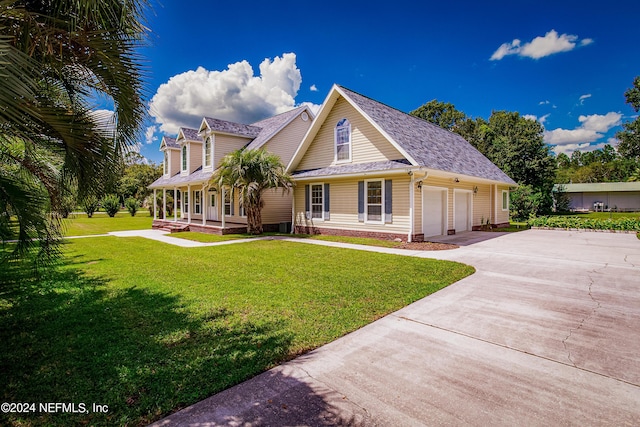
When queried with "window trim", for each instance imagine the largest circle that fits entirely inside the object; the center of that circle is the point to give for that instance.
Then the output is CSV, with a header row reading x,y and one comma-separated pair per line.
x,y
227,193
321,204
185,203
197,202
503,200
366,202
207,151
185,158
166,163
335,141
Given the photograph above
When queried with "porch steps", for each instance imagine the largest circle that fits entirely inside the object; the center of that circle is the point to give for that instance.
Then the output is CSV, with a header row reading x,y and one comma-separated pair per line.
x,y
175,228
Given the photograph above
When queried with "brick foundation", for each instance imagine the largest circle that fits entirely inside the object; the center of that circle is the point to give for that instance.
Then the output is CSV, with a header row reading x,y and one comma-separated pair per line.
x,y
299,229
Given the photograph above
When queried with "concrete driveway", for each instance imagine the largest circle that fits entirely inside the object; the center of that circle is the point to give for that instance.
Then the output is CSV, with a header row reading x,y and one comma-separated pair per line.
x,y
547,332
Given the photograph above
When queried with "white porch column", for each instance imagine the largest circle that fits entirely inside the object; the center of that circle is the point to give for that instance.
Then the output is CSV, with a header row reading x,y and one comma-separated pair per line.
x,y
189,204
203,207
154,204
411,205
175,204
164,203
222,194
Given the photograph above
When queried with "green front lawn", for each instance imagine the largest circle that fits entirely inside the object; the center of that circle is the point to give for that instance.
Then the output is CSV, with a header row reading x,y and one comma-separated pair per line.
x,y
100,223
148,328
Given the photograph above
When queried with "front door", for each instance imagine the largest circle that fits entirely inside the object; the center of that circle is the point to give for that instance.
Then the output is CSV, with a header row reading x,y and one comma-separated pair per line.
x,y
212,207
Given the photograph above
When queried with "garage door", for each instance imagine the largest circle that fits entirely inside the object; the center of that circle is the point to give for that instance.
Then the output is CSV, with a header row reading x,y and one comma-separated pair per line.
x,y
461,211
433,211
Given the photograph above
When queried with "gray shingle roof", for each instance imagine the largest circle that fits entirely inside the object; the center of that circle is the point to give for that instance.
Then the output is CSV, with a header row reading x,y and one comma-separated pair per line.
x,y
191,134
197,176
233,128
170,142
429,145
271,125
353,168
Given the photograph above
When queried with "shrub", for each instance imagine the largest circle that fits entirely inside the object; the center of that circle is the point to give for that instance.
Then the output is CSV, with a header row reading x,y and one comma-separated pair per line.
x,y
91,204
623,224
132,205
111,204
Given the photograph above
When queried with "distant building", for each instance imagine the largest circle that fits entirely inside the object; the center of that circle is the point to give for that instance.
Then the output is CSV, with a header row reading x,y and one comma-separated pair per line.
x,y
603,196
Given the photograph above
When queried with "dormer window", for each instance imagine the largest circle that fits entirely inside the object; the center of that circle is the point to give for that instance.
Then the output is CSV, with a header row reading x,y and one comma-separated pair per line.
x,y
184,158
207,151
343,141
166,163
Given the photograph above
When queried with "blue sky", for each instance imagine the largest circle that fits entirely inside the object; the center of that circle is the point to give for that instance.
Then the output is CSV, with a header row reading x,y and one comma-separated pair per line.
x,y
565,63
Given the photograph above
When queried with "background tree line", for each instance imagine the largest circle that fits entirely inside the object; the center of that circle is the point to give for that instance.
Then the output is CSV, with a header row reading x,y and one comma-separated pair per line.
x,y
515,144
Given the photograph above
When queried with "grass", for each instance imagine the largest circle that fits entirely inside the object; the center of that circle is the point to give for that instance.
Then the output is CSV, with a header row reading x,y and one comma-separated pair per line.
x,y
100,223
209,238
368,241
148,328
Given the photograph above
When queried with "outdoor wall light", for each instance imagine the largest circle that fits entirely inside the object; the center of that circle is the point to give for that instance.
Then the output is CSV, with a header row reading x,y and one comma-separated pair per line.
x,y
420,185
456,180
475,190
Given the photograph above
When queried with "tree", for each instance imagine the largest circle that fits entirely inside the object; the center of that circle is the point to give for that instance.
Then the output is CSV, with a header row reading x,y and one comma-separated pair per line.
x,y
443,114
136,179
251,173
630,137
55,58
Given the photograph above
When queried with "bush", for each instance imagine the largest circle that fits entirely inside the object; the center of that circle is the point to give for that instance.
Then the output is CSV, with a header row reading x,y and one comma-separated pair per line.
x,y
623,224
91,204
132,205
67,205
111,205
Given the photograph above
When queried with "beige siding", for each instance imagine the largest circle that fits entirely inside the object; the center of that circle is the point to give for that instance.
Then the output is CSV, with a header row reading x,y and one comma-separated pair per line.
x,y
285,143
277,207
174,162
224,144
368,144
195,156
344,207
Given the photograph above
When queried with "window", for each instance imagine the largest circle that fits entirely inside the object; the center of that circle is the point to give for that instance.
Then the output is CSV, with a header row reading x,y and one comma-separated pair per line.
x,y
505,200
374,201
184,158
166,163
185,197
343,141
196,202
212,200
207,151
316,201
227,202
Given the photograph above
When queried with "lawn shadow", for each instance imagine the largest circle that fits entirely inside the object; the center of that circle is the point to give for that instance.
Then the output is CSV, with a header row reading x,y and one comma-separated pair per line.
x,y
72,338
284,396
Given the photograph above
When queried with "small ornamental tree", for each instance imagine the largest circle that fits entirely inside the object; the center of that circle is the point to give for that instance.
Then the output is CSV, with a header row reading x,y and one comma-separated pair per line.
x,y
132,205
91,204
111,205
251,173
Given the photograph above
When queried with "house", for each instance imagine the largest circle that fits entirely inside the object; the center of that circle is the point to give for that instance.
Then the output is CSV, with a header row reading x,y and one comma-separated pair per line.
x,y
366,169
191,158
602,196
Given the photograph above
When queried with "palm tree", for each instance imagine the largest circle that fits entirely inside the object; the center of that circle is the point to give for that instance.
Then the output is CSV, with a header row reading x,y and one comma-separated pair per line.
x,y
56,59
251,173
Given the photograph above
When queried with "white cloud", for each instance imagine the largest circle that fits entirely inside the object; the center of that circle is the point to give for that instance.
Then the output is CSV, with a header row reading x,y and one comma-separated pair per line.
x,y
233,94
591,129
540,47
541,120
544,102
313,88
149,135
313,107
583,97
570,148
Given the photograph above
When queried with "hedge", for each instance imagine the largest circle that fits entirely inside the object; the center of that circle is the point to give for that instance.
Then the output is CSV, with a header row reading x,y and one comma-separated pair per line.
x,y
622,224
